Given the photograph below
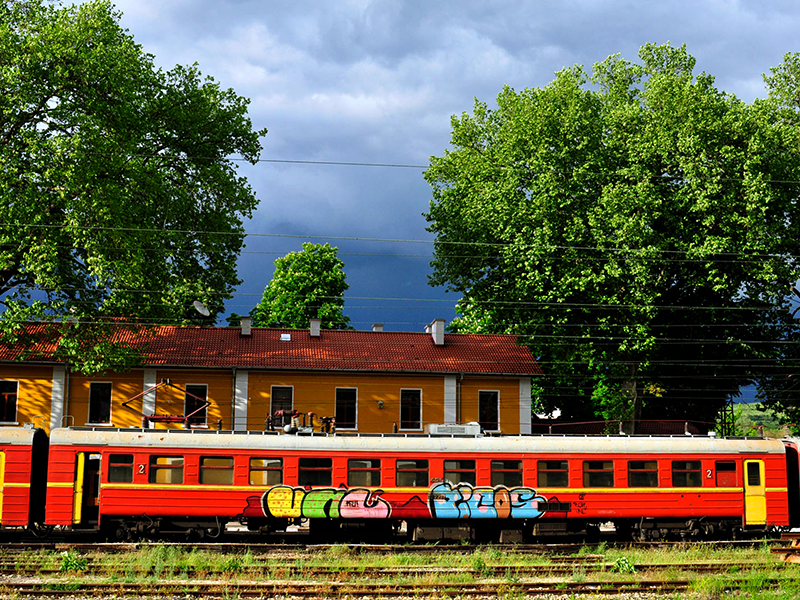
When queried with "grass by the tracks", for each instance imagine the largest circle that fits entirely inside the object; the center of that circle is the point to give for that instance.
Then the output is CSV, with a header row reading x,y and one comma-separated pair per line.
x,y
712,572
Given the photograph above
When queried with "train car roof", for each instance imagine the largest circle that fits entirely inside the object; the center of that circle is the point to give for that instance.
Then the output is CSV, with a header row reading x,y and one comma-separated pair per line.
x,y
18,436
400,443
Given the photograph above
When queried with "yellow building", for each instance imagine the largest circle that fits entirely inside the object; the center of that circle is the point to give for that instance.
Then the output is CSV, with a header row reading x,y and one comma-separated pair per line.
x,y
251,378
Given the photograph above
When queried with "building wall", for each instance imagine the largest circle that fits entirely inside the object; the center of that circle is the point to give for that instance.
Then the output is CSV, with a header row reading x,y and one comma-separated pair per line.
x,y
34,393
220,393
378,396
508,389
123,387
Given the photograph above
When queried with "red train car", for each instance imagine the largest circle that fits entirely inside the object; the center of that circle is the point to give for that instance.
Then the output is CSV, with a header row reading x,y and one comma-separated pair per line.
x,y
154,481
23,468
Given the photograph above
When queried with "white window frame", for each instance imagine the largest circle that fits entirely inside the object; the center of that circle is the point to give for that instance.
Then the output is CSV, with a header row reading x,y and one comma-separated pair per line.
x,y
16,404
335,399
110,406
400,421
271,396
186,412
498,409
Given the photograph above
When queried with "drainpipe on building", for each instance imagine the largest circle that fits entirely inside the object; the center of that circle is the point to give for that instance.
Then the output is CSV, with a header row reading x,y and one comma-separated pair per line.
x,y
458,398
233,401
66,395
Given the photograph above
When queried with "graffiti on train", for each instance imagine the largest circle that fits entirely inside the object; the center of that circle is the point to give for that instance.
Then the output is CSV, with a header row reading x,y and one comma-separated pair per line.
x,y
444,501
283,501
464,501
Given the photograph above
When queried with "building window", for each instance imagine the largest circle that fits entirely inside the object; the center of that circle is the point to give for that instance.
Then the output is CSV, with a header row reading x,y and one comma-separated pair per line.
x,y
166,469
266,471
346,402
364,472
99,403
195,404
120,468
642,473
8,401
553,473
686,473
411,409
281,401
598,473
488,410
459,471
216,470
315,471
412,473
507,473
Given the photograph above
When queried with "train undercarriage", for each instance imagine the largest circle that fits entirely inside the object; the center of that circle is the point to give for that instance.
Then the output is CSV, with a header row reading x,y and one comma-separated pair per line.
x,y
477,531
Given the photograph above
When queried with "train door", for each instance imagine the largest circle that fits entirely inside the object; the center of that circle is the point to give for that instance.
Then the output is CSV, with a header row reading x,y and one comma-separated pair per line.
x,y
86,496
755,494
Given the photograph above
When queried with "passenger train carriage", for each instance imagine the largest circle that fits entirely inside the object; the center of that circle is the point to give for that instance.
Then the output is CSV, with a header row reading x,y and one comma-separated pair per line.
x,y
143,482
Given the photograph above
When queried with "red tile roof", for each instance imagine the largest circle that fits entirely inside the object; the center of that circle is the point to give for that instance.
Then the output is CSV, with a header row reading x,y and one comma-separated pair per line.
x,y
226,347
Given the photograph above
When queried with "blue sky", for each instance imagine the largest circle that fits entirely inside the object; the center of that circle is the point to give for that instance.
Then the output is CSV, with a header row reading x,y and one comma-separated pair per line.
x,y
377,82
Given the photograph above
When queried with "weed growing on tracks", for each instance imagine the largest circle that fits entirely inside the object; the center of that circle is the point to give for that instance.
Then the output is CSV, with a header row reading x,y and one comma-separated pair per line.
x,y
578,574
624,565
72,561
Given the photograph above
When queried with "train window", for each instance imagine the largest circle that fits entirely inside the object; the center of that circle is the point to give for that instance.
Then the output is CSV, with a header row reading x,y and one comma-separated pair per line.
x,y
459,471
412,473
686,473
315,471
266,471
216,470
365,472
553,473
598,473
166,469
725,473
120,468
507,473
642,473
753,473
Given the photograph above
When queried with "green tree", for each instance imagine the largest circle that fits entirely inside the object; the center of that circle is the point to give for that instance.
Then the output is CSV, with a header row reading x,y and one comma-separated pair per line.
x,y
120,199
306,285
638,234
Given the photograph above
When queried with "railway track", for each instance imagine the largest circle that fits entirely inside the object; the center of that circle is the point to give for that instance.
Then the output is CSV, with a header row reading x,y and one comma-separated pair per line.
x,y
352,572
328,590
358,548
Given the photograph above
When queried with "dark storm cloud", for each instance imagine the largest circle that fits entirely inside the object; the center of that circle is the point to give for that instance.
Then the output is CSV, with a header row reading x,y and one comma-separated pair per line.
x,y
364,81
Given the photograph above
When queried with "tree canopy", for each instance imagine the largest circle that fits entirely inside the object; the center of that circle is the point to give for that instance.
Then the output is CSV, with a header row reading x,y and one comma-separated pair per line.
x,y
636,226
306,285
120,196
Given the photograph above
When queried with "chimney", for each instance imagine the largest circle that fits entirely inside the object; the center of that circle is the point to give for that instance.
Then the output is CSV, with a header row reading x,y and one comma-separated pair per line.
x,y
436,329
377,327
246,322
314,327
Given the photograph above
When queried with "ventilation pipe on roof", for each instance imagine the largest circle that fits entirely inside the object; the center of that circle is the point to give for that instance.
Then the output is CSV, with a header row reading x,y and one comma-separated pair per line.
x,y
436,330
377,327
314,326
246,323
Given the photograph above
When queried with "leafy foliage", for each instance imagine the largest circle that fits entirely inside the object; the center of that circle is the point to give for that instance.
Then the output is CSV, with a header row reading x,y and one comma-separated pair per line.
x,y
638,234
119,199
307,284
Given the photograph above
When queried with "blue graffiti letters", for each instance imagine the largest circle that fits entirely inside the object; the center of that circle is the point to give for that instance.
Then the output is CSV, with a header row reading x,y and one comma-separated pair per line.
x,y
464,501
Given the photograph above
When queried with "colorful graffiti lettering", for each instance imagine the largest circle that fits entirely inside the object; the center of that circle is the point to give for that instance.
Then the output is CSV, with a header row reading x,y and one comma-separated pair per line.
x,y
445,501
283,501
464,501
